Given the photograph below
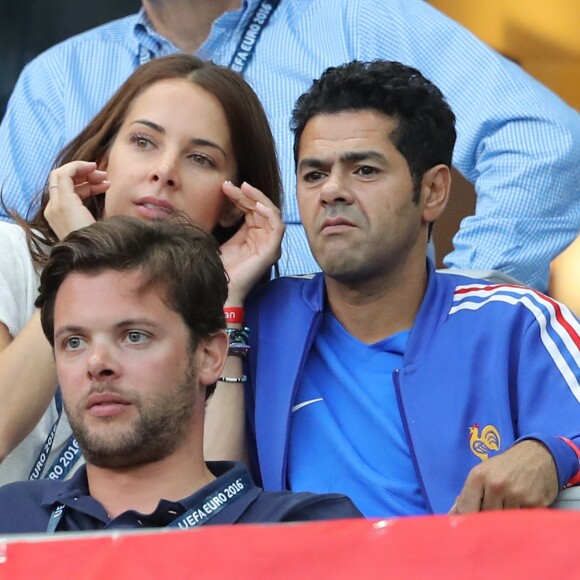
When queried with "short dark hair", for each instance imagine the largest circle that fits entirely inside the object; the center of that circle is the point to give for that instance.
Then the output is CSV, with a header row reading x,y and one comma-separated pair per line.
x,y
425,133
172,254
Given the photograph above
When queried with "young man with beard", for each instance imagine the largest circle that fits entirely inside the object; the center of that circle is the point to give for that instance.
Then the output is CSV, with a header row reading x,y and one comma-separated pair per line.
x,y
135,314
401,387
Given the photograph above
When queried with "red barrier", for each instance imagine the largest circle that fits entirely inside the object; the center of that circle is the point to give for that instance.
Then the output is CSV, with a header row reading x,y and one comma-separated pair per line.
x,y
519,544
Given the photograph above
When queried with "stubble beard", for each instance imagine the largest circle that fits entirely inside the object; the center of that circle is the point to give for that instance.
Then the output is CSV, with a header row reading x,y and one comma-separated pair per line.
x,y
162,424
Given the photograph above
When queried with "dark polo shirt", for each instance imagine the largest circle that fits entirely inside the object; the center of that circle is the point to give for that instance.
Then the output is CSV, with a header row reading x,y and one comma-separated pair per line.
x,y
26,507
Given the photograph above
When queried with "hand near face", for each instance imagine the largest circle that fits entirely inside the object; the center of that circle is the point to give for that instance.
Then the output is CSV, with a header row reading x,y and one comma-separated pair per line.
x,y
522,477
69,185
256,245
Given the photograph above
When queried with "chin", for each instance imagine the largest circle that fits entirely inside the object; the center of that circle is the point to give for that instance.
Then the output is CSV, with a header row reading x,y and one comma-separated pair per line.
x,y
338,267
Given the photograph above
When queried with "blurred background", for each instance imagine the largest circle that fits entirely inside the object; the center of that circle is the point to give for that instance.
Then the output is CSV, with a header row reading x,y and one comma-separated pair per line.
x,y
27,27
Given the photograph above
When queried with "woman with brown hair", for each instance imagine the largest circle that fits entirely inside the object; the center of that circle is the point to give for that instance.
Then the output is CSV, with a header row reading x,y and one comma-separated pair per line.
x,y
180,136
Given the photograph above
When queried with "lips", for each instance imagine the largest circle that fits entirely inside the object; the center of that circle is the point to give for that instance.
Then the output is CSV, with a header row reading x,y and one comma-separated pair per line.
x,y
106,404
336,225
155,207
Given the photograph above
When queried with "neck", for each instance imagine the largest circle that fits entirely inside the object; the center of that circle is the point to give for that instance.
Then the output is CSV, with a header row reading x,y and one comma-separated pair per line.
x,y
141,487
186,23
376,308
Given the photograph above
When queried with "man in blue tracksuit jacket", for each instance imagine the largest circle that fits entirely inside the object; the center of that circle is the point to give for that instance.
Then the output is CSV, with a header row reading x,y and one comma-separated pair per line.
x,y
411,391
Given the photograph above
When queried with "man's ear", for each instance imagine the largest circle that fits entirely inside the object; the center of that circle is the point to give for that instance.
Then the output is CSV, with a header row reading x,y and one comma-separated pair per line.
x,y
435,187
230,215
212,353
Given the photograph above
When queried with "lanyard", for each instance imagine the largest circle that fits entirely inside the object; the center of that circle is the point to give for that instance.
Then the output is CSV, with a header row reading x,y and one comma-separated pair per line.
x,y
66,459
247,45
202,511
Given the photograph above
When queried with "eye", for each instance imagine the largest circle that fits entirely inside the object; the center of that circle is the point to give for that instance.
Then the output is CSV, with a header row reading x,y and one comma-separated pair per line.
x,y
141,141
202,160
73,343
366,170
136,337
313,176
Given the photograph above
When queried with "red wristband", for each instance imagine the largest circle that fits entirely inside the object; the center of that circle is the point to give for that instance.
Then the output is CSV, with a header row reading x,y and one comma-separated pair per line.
x,y
576,479
234,315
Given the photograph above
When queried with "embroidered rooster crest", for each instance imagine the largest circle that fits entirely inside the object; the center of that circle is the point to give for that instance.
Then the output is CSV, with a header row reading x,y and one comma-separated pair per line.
x,y
482,445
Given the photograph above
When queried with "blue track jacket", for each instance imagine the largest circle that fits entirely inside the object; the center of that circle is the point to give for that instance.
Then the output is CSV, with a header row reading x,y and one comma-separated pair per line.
x,y
485,366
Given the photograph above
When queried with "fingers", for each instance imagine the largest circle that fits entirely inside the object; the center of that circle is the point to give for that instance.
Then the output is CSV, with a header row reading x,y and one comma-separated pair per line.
x,y
471,497
251,251
258,209
68,186
79,177
523,476
492,500
85,190
255,194
246,196
453,510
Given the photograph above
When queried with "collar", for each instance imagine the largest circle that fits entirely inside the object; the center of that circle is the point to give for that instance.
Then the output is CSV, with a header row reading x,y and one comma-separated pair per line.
x,y
314,292
432,312
74,493
148,43
61,491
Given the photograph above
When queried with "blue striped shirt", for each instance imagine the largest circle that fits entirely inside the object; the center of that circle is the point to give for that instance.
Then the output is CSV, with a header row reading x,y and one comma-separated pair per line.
x,y
517,141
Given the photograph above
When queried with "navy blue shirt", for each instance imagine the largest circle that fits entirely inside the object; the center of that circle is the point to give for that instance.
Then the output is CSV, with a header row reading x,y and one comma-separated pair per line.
x,y
26,507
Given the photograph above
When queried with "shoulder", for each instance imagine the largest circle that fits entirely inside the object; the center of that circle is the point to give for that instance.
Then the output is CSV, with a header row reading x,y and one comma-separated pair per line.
x,y
21,506
475,294
114,31
14,248
19,278
285,302
333,6
109,36
11,231
286,506
393,15
282,289
13,243
512,306
471,292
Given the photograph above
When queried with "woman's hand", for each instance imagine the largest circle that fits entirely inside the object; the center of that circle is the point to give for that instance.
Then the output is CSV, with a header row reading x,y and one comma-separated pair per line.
x,y
256,246
68,186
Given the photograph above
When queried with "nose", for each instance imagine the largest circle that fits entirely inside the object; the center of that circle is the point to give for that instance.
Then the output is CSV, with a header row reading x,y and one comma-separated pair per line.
x,y
166,172
101,363
335,190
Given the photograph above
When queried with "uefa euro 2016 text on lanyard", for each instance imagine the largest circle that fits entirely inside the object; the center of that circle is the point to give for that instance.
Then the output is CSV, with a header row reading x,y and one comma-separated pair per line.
x,y
203,511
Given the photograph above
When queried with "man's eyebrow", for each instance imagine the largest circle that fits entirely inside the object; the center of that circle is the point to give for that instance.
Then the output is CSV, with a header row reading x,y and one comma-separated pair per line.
x,y
357,156
147,322
195,141
127,323
312,163
346,157
68,329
